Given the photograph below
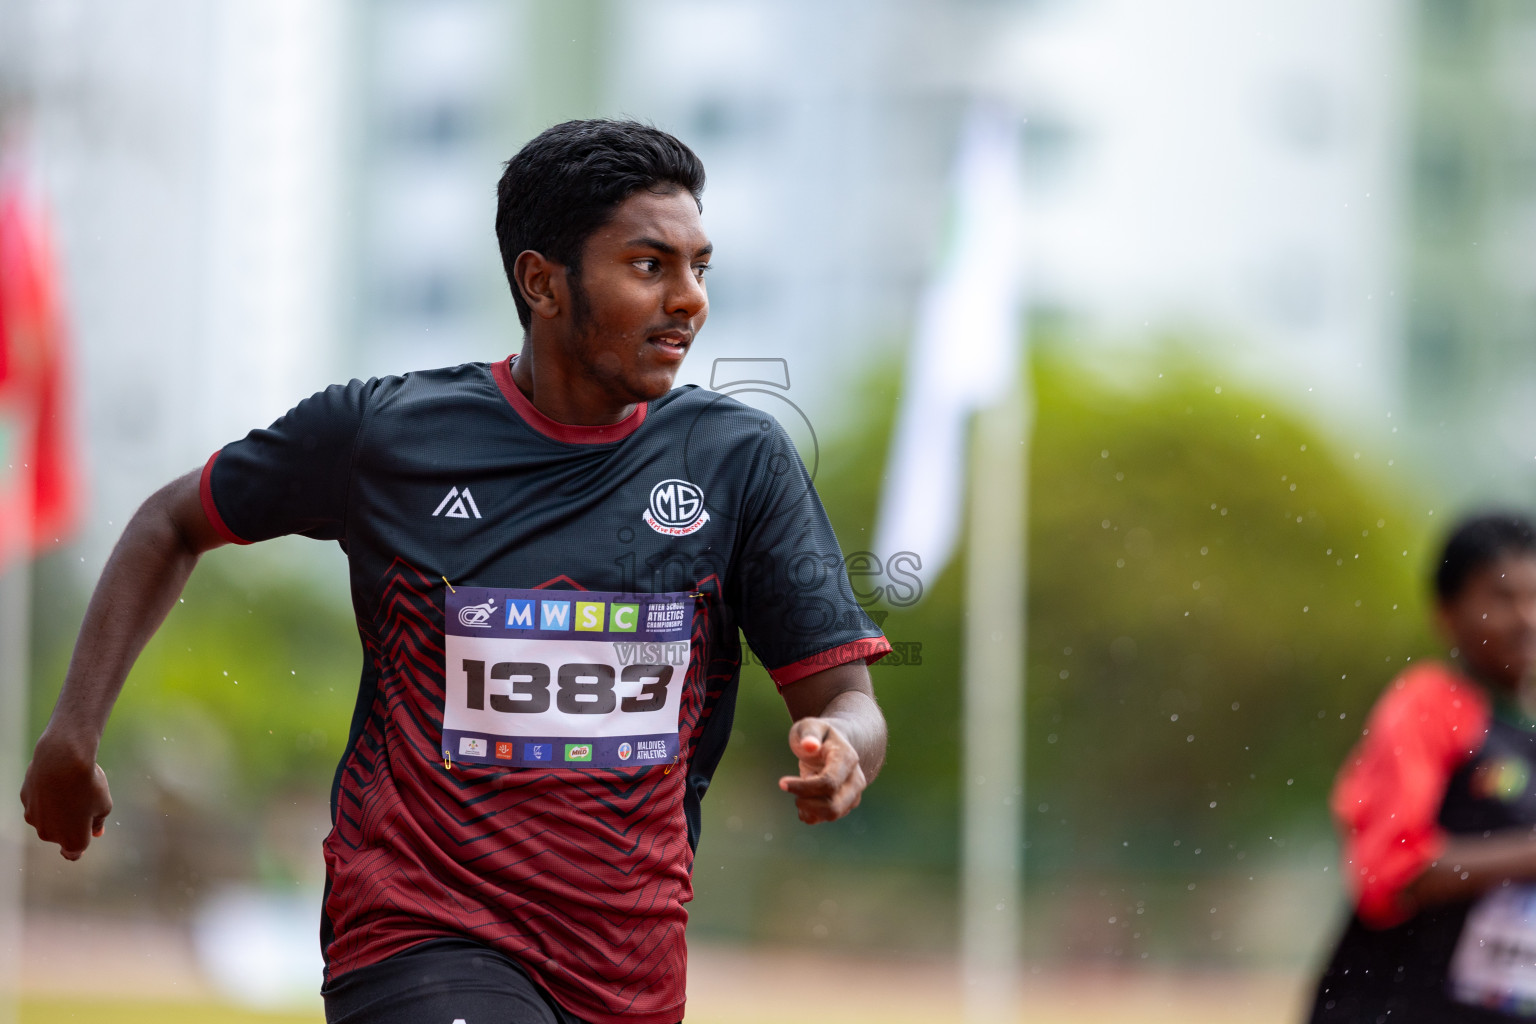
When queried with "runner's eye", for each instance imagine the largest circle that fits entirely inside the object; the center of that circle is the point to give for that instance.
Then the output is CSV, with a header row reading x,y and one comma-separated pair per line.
x,y
700,269
650,266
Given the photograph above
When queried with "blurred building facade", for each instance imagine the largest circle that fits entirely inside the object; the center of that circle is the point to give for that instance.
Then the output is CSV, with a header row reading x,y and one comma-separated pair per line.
x,y
1470,338
825,182
437,88
257,197
191,156
1230,173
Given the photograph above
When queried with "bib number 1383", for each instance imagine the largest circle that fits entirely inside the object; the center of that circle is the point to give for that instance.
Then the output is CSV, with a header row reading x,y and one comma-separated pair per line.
x,y
562,678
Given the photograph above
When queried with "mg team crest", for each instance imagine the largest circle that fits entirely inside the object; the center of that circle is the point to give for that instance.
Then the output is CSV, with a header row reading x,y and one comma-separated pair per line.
x,y
676,508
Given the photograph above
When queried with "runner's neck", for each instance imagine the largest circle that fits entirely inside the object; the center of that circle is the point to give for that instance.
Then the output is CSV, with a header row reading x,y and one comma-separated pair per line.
x,y
523,376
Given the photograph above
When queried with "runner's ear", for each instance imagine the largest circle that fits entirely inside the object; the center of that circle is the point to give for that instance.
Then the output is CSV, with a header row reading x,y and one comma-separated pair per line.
x,y
542,283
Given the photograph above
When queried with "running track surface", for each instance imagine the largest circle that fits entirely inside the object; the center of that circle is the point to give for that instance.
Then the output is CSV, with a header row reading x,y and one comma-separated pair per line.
x,y
144,973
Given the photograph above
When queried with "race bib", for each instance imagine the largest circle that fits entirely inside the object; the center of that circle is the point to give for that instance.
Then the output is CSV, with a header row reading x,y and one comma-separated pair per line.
x,y
1494,965
561,678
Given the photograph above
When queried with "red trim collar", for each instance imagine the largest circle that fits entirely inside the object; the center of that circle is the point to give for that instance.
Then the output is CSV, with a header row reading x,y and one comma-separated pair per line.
x,y
570,433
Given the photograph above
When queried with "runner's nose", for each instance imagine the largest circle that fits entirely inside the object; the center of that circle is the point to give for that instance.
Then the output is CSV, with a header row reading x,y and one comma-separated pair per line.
x,y
688,298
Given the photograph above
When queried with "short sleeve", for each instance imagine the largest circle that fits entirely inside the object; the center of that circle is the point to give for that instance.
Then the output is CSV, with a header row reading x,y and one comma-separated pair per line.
x,y
1388,795
291,477
794,601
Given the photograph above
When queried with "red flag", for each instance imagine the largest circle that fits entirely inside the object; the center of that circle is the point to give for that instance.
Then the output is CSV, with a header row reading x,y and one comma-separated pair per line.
x,y
39,470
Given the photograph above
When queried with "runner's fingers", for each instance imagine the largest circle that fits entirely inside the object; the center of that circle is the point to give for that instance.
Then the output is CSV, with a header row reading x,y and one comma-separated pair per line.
x,y
822,778
808,762
813,811
841,759
834,774
71,843
103,803
833,771
830,807
72,831
807,737
818,786
840,763
849,793
71,825
27,801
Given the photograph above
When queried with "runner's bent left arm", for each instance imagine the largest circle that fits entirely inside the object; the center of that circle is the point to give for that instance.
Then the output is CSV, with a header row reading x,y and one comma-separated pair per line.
x,y
839,738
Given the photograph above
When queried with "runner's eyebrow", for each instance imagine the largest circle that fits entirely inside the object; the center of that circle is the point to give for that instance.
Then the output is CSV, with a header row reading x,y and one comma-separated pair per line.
x,y
667,249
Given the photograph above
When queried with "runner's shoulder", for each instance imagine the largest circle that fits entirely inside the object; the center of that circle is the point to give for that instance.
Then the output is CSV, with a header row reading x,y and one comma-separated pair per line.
x,y
416,392
709,417
1430,696
461,383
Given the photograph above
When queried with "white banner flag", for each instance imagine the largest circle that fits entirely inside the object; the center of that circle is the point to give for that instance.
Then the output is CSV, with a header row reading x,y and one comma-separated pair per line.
x,y
965,349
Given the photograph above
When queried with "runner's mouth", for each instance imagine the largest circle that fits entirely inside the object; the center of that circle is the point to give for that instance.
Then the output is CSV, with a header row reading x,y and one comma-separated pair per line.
x,y
673,343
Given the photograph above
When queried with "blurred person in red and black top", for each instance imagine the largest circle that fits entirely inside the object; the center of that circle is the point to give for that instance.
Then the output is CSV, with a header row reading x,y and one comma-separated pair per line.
x,y
551,557
1437,808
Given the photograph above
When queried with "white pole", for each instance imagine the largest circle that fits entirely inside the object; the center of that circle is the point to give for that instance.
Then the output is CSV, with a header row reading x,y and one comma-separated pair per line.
x,y
15,624
16,24
993,736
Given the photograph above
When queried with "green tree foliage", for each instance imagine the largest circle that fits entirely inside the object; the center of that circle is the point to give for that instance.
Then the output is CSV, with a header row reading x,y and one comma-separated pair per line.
x,y
1218,590
245,692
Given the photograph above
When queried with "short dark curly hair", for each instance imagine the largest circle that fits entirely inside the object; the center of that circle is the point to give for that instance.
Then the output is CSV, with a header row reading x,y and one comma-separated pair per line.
x,y
565,183
1478,541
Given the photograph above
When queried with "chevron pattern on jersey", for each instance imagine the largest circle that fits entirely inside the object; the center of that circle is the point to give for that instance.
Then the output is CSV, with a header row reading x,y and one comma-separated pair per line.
x,y
580,875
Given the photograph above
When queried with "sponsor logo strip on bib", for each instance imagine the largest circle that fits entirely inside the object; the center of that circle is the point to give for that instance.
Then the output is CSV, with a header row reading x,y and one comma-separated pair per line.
x,y
1494,964
552,678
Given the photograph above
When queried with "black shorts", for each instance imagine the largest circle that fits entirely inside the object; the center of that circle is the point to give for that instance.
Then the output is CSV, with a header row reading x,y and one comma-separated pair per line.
x,y
441,982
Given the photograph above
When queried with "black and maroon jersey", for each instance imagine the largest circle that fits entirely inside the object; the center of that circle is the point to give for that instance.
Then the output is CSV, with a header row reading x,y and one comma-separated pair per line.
x,y
557,591
1438,758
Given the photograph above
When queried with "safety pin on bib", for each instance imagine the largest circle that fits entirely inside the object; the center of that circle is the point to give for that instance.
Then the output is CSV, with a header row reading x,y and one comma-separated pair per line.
x,y
447,761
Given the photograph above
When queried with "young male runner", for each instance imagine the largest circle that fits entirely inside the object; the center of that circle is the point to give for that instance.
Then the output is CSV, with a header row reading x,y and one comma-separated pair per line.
x,y
1437,805
550,557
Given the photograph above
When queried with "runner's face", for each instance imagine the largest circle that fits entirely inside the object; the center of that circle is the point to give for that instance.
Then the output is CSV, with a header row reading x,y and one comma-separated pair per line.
x,y
1493,619
639,300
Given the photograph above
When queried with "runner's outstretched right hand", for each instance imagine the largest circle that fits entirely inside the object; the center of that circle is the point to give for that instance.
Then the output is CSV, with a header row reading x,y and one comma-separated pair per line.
x,y
65,796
